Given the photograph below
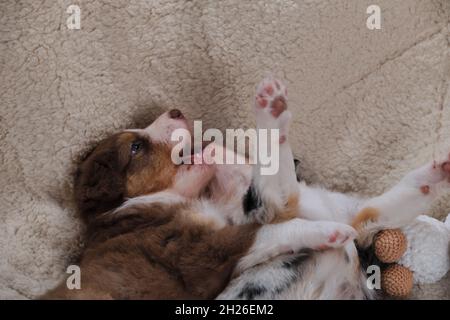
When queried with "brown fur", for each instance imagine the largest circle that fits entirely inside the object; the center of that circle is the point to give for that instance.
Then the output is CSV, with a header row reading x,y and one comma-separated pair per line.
x,y
290,211
365,216
110,173
157,252
146,179
146,251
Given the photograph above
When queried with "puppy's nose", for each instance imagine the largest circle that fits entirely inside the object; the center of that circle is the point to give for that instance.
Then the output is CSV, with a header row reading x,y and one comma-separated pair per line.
x,y
175,114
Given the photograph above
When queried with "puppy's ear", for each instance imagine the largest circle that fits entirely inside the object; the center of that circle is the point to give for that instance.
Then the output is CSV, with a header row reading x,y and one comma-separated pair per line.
x,y
100,183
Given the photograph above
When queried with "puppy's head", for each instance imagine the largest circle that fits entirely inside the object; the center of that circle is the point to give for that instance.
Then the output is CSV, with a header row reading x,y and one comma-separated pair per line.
x,y
137,162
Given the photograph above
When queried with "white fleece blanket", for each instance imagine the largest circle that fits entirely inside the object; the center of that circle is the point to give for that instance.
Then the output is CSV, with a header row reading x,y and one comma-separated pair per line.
x,y
369,105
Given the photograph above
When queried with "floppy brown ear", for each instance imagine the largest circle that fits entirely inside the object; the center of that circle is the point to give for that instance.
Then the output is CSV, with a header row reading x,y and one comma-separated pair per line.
x,y
99,184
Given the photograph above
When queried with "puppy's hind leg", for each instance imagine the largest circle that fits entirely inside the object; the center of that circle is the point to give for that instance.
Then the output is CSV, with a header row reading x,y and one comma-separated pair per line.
x,y
397,207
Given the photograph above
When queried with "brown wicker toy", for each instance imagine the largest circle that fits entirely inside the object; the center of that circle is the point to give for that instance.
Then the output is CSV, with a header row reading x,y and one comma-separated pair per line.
x,y
397,280
389,247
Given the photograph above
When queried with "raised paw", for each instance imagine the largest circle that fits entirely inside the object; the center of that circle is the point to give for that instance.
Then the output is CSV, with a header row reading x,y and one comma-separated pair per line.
x,y
271,106
271,95
332,235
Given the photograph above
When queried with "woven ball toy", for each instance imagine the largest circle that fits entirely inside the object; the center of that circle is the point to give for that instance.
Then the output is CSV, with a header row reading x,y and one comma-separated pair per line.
x,y
397,280
390,245
418,253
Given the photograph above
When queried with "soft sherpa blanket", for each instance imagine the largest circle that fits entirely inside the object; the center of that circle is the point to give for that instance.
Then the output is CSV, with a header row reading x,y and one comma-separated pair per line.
x,y
369,105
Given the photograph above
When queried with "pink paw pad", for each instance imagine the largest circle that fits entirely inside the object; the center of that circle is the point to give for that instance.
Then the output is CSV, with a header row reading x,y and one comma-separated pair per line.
x,y
425,189
338,236
322,247
261,101
446,166
269,89
333,237
278,106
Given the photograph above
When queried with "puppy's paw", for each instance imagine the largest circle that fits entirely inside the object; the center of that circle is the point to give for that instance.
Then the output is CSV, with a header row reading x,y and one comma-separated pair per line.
x,y
332,235
443,169
427,176
271,106
271,96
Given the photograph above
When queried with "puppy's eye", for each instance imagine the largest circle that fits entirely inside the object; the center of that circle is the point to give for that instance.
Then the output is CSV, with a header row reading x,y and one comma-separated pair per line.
x,y
136,147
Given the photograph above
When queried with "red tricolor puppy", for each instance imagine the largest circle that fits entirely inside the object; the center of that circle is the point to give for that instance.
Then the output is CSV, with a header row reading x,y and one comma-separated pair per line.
x,y
159,230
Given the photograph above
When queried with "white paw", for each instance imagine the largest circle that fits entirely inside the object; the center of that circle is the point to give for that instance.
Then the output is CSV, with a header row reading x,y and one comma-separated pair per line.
x,y
326,235
429,175
271,96
271,106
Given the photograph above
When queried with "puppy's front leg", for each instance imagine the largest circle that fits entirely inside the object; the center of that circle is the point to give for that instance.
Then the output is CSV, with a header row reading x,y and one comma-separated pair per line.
x,y
292,236
275,195
274,185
